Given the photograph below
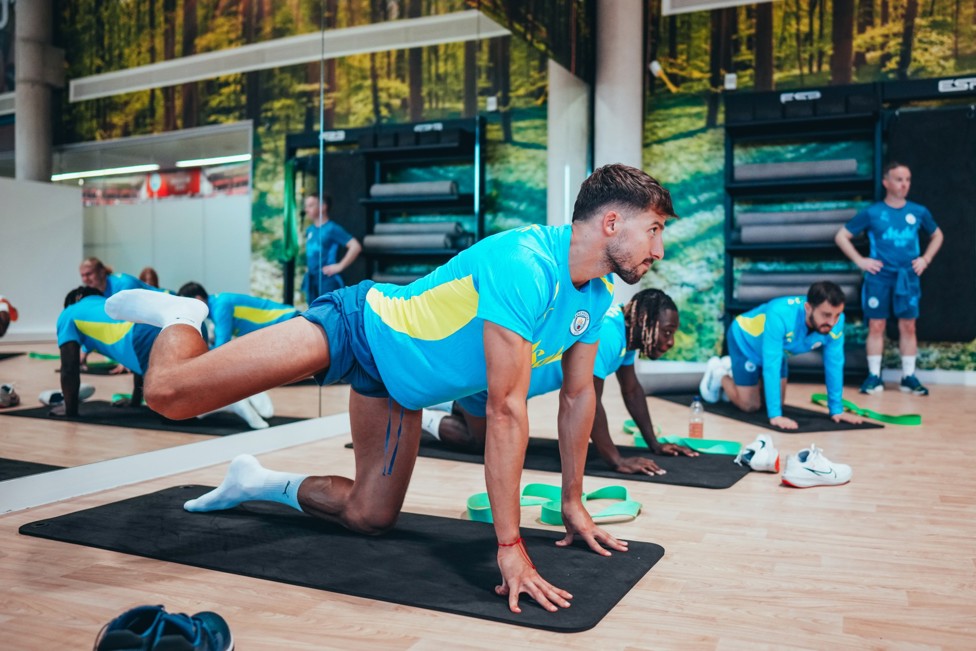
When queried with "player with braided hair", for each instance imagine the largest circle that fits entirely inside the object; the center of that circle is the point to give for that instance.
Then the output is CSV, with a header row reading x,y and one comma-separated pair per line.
x,y
647,323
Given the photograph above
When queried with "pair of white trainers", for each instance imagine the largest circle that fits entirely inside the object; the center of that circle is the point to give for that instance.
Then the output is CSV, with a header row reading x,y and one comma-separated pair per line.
x,y
54,397
710,388
253,410
805,469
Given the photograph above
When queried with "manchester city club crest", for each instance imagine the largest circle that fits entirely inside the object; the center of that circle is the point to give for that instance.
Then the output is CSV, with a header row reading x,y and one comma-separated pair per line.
x,y
750,366
910,218
873,302
580,323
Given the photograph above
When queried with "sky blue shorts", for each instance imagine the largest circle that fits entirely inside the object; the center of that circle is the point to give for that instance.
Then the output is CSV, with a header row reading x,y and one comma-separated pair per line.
x,y
745,372
340,314
881,298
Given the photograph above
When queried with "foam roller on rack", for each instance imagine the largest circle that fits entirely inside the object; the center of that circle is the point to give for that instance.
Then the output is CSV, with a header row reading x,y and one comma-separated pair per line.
x,y
780,234
797,170
406,241
447,228
763,293
395,279
794,216
794,278
416,189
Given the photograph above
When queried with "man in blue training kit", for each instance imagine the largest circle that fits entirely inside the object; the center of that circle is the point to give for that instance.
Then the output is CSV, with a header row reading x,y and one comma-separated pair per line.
x,y
760,342
647,323
323,238
235,315
481,321
891,272
95,274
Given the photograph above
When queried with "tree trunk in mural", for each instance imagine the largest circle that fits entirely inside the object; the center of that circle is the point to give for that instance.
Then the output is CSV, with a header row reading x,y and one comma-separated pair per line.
x,y
503,82
841,61
470,79
885,12
169,53
190,107
653,39
415,65
672,37
375,14
865,21
764,46
152,59
328,113
720,60
907,38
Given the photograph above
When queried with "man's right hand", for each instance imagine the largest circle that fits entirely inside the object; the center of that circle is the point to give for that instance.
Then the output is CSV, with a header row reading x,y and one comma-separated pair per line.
x,y
783,422
519,575
638,466
57,410
870,265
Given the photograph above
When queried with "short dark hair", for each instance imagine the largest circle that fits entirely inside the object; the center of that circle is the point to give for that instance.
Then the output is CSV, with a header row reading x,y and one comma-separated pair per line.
x,y
621,185
641,315
322,198
79,293
892,164
193,290
825,291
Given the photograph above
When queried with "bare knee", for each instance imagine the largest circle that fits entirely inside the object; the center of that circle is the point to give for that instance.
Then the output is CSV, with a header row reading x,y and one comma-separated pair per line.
x,y
750,406
165,398
876,326
372,523
906,326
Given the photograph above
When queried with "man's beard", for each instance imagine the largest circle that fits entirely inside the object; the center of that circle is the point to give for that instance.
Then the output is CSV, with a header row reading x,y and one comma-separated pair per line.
x,y
629,275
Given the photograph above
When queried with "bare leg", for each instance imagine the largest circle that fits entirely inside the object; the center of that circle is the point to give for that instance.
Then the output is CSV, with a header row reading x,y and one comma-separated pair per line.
x,y
907,337
875,341
748,399
464,431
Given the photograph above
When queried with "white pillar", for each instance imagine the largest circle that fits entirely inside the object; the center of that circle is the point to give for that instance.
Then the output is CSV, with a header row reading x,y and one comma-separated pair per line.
x,y
568,136
619,105
38,69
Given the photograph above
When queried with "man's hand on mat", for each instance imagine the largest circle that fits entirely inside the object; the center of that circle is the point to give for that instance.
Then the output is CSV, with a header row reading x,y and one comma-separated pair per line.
x,y
579,523
519,575
845,417
673,449
57,410
783,422
118,369
638,466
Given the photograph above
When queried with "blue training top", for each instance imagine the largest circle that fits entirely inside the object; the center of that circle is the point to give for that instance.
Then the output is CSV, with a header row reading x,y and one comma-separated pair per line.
x,y
766,332
611,354
115,283
322,245
893,233
127,343
427,338
235,315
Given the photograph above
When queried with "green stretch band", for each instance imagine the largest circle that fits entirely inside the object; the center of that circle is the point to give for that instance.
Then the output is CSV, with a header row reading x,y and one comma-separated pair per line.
x,y
549,498
33,355
106,364
710,446
904,419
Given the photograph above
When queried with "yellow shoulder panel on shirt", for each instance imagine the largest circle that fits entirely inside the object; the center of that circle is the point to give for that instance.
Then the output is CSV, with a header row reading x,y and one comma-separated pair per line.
x,y
836,335
752,325
433,315
607,283
257,315
107,333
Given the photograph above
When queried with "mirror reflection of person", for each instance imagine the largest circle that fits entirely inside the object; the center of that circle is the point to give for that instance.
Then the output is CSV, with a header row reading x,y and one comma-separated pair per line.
x,y
323,239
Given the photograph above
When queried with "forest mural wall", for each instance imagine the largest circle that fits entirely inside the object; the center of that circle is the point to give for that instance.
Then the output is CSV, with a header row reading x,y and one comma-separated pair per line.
x,y
776,45
426,83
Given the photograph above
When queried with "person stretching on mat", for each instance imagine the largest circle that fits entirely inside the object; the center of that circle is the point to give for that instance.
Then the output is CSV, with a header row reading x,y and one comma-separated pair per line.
x,y
83,322
482,320
761,340
647,323
891,272
234,315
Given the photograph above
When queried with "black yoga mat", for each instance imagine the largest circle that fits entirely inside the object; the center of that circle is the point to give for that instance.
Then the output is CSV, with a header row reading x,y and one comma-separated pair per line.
x,y
428,562
14,468
808,420
100,412
4,356
703,471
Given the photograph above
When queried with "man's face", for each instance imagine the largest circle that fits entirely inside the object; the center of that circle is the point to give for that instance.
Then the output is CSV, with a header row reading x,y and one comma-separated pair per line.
x,y
897,182
667,324
92,276
312,207
823,317
638,240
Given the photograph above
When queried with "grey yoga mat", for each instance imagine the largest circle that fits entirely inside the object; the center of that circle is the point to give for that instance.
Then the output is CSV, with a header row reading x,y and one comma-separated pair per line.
x,y
416,189
796,169
794,278
413,228
763,293
780,234
406,241
794,217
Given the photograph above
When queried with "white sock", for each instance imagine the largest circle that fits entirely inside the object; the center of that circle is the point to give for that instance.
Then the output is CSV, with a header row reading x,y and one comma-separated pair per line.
x,y
262,404
245,410
156,308
246,481
907,365
430,421
444,406
874,365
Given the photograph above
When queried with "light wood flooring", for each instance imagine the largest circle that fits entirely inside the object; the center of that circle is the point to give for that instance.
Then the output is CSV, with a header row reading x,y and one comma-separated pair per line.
x,y
886,562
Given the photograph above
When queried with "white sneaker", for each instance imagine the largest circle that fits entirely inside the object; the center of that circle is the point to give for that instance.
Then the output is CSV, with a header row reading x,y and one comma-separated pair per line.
x,y
710,388
54,397
811,468
262,404
8,397
245,410
760,455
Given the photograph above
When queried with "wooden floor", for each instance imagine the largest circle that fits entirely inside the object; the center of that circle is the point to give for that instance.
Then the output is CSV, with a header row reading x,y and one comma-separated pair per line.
x,y
886,562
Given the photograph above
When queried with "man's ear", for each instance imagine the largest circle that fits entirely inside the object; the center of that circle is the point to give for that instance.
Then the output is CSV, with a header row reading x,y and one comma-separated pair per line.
x,y
611,219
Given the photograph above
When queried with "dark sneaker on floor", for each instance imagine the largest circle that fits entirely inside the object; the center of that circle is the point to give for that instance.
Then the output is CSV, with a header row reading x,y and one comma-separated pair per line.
x,y
202,632
8,397
133,630
910,384
872,384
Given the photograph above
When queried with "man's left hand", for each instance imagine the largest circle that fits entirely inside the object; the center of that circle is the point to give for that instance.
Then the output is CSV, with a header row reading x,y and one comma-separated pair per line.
x,y
673,449
919,265
579,523
638,466
331,269
846,417
57,410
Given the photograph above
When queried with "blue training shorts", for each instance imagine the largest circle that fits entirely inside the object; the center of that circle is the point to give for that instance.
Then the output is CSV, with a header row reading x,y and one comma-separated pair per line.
x,y
340,314
880,298
745,372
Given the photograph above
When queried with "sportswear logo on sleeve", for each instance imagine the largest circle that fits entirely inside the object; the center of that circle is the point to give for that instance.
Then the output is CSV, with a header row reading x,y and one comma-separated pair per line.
x,y
836,335
580,323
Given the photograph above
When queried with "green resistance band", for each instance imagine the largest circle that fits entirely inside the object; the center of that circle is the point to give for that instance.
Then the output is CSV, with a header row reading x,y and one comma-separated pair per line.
x,y
549,498
34,355
904,419
108,363
709,446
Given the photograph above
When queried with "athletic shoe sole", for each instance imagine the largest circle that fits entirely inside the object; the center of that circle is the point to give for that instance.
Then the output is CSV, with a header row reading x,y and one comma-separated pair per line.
x,y
915,392
798,484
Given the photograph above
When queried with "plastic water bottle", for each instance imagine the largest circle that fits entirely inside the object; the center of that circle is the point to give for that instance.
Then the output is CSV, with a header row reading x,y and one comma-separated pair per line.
x,y
696,419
